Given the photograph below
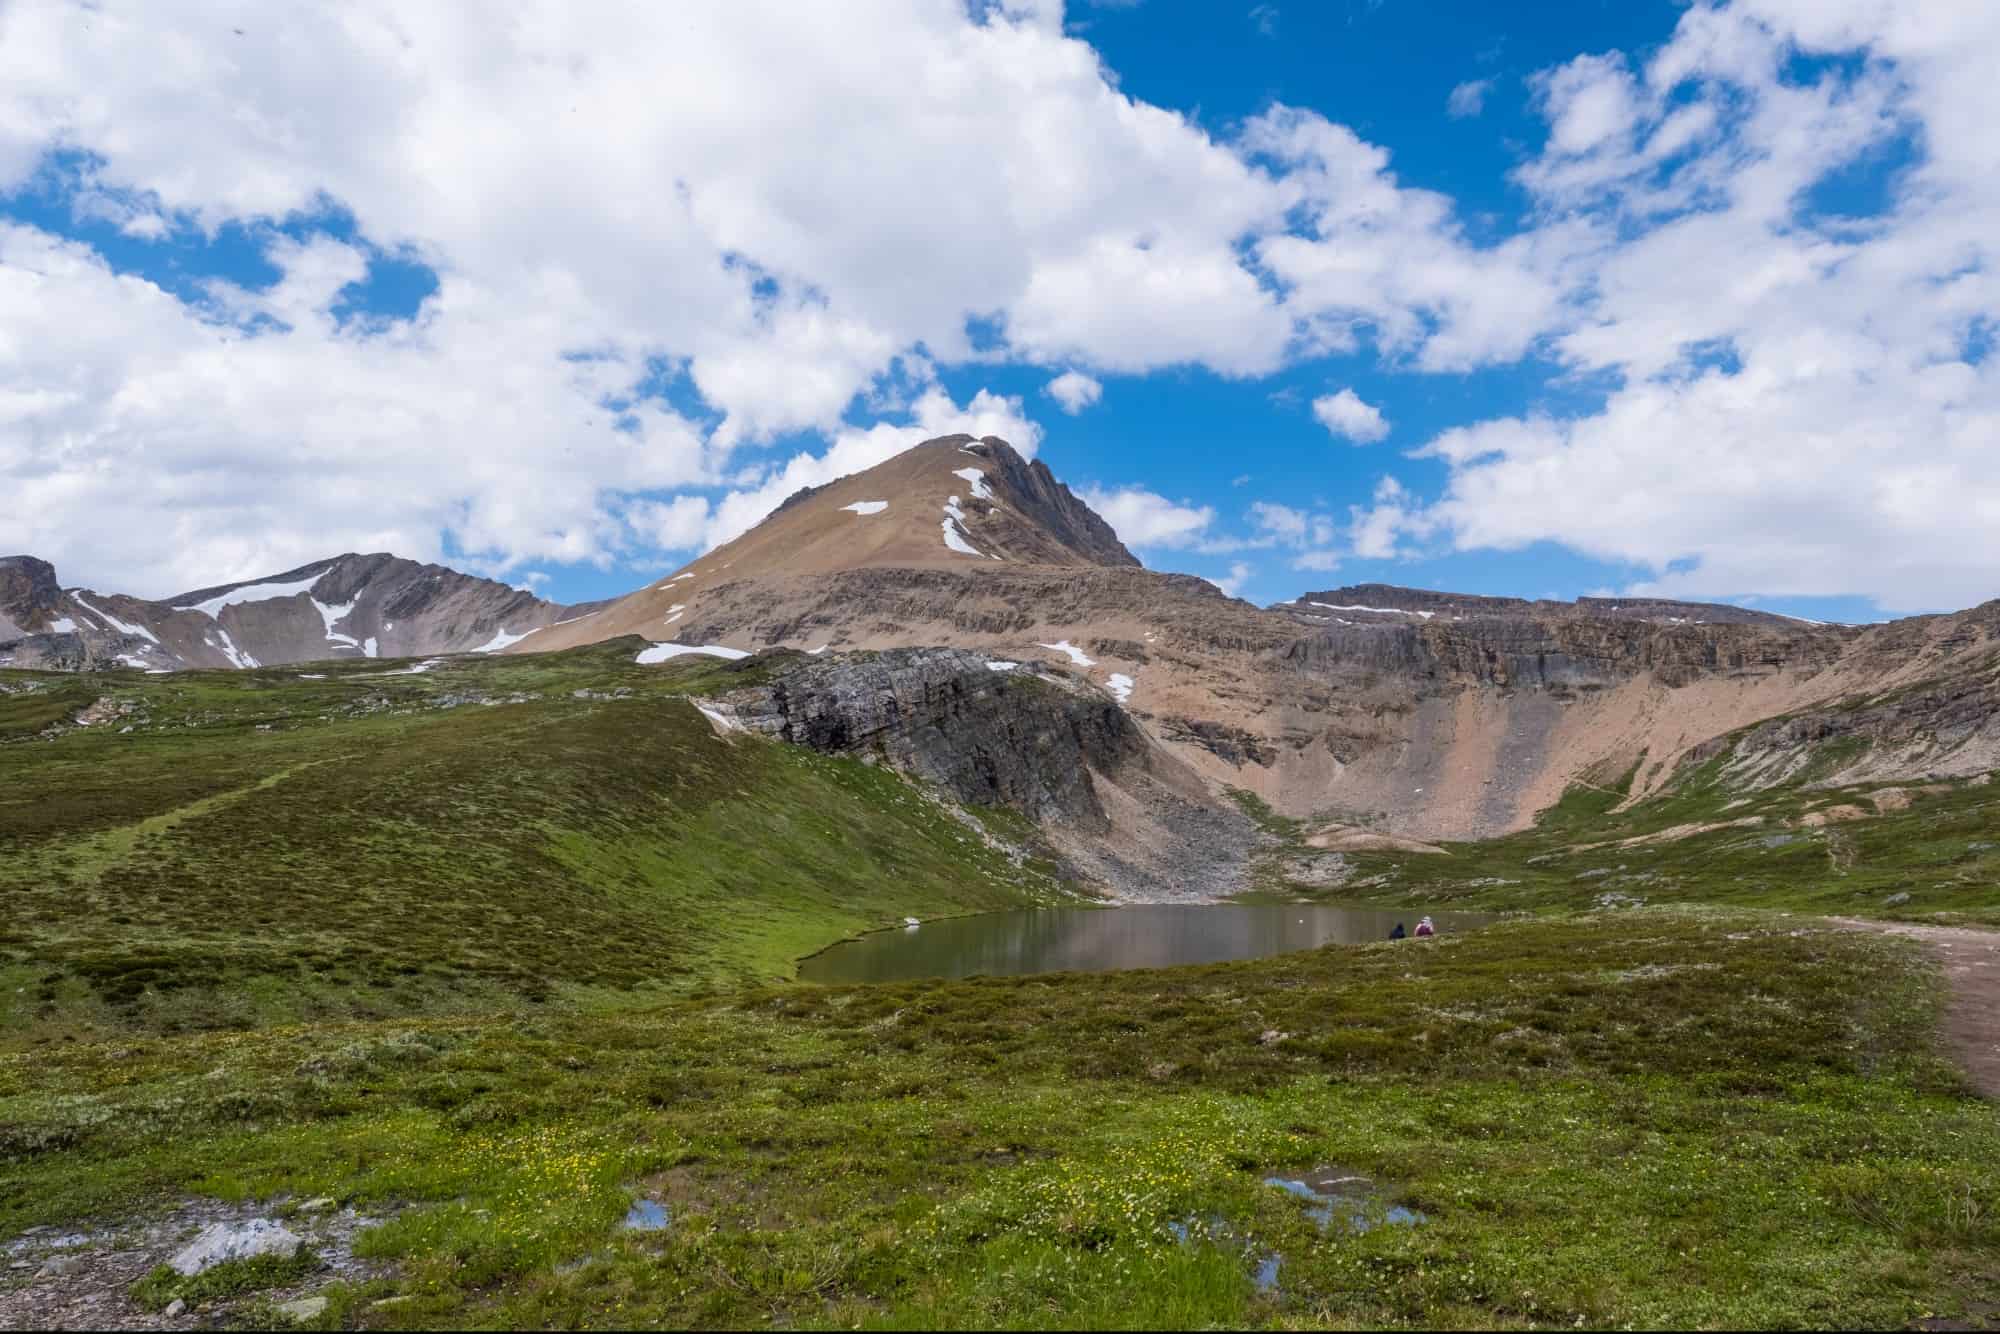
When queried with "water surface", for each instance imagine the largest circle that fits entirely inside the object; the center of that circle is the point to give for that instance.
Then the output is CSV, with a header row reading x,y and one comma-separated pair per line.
x,y
1096,940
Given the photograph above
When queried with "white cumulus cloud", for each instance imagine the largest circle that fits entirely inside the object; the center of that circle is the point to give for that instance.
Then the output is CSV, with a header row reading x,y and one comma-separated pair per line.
x,y
1468,99
1075,391
1347,416
1799,403
1143,518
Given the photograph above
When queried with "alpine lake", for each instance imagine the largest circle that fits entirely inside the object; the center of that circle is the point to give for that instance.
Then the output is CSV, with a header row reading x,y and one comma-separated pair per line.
x,y
1100,940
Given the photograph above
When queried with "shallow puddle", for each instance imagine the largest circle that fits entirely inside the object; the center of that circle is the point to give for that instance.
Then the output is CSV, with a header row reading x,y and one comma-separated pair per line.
x,y
645,1216
1332,1194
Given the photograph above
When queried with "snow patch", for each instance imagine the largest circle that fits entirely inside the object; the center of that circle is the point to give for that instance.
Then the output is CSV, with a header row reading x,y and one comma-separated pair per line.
x,y
815,652
332,614
1388,611
132,660
62,625
1120,686
1076,655
253,593
368,649
1001,666
976,477
137,631
723,722
312,676
662,652
229,650
954,535
501,639
867,506
676,579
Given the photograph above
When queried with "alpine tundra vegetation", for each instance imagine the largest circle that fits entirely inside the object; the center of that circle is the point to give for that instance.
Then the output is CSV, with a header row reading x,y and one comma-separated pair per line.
x,y
1000,664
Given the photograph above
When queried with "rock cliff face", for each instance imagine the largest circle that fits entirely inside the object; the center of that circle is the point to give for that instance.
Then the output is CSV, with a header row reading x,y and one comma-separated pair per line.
x,y
343,607
1569,651
1115,806
990,736
1362,601
1929,708
30,598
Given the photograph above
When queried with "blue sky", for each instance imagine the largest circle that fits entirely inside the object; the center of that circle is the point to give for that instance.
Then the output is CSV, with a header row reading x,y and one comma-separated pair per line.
x,y
1694,301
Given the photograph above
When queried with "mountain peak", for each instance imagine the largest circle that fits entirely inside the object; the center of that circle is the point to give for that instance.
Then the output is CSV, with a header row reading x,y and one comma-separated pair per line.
x,y
951,501
954,505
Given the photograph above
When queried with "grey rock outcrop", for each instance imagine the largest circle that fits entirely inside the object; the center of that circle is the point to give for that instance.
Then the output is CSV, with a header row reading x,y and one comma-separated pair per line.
x,y
1115,808
220,1242
30,598
1022,737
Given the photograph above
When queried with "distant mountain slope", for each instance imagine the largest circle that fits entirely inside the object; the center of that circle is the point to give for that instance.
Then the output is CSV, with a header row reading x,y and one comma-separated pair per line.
x,y
1375,601
349,606
1420,713
1402,713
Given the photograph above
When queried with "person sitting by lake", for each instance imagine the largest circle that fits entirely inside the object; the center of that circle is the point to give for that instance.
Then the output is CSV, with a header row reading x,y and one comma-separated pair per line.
x,y
1398,933
1424,928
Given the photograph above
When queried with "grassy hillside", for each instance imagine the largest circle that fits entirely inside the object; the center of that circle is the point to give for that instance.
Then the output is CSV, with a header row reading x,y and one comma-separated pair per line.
x,y
1911,851
357,839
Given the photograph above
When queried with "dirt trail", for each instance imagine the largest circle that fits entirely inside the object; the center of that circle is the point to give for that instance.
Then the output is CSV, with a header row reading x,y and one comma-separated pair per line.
x,y
1971,961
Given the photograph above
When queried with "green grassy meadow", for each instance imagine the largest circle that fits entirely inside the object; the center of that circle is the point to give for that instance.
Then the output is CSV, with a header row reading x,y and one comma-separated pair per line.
x,y
265,847
492,971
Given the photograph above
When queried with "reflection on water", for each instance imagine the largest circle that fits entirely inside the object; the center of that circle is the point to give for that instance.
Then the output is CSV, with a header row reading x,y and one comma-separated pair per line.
x,y
1095,940
1346,1197
645,1216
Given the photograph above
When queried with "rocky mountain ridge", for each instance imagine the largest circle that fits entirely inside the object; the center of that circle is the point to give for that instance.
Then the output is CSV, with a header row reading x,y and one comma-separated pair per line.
x,y
1424,714
1367,603
347,606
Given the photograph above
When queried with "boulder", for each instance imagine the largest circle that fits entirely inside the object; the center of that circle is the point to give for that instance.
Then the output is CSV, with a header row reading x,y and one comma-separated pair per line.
x,y
220,1242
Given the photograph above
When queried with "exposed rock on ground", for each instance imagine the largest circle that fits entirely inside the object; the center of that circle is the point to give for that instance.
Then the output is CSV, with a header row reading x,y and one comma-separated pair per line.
x,y
82,1277
219,1243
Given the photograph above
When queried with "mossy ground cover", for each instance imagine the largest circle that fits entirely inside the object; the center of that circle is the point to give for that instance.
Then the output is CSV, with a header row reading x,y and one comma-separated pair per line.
x,y
490,956
1661,1117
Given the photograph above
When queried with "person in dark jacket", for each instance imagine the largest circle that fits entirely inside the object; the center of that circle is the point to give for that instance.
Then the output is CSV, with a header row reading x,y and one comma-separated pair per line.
x,y
1398,933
